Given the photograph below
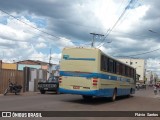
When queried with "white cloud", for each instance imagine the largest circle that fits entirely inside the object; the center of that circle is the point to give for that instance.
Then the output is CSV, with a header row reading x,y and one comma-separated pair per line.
x,y
107,51
14,30
126,42
41,39
64,42
23,42
55,58
105,11
17,37
19,41
37,56
41,45
133,18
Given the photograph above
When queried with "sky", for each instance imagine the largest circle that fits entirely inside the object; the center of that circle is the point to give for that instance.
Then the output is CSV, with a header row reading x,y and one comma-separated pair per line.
x,y
38,29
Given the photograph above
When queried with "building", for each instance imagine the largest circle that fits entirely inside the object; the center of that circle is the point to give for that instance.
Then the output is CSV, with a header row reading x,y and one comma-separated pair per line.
x,y
32,64
138,64
151,78
31,71
36,64
10,66
35,71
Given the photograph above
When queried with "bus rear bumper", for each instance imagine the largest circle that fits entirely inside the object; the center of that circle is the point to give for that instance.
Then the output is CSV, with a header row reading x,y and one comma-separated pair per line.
x,y
99,93
107,93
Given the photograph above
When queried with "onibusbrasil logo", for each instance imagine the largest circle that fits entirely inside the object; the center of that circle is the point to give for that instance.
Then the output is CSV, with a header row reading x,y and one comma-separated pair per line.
x,y
21,114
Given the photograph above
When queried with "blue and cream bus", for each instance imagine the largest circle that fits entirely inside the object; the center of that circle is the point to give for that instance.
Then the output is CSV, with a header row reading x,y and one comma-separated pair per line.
x,y
89,72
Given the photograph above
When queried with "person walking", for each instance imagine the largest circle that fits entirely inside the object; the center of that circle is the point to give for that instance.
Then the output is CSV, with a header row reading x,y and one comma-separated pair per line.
x,y
155,89
159,88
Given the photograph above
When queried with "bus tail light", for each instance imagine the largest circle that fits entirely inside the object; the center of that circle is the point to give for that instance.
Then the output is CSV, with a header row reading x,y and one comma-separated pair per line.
x,y
95,81
60,79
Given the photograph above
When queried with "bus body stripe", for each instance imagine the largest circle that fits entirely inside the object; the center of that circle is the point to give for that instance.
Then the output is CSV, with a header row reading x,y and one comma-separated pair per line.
x,y
107,92
87,59
93,75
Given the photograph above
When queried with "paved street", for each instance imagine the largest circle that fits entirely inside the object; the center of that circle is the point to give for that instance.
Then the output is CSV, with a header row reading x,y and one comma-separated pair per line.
x,y
143,100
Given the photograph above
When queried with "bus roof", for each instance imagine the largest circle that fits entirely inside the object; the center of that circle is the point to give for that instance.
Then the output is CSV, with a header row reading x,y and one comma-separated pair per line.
x,y
81,48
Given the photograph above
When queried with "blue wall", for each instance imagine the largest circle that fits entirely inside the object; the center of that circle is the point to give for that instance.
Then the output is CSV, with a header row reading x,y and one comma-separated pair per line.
x,y
21,66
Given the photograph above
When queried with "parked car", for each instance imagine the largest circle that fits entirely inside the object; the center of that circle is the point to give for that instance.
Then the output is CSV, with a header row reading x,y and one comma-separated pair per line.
x,y
140,86
52,84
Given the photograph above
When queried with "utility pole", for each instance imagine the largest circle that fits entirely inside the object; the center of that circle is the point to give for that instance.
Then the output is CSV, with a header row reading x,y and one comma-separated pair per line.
x,y
94,34
50,62
50,56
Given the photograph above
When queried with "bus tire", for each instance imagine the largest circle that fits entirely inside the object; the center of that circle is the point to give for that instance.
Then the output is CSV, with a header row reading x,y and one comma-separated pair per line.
x,y
85,97
113,98
131,90
129,95
57,92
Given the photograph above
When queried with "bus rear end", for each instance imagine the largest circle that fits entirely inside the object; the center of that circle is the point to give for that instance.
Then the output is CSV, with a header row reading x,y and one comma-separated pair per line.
x,y
78,71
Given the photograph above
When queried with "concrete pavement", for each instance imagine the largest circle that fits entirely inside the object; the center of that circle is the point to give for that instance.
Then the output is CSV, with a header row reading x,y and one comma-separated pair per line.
x,y
143,100
148,92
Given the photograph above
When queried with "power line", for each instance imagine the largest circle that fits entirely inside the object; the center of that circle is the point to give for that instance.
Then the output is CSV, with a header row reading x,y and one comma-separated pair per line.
x,y
128,12
110,30
121,5
128,34
35,28
29,24
117,10
14,40
140,53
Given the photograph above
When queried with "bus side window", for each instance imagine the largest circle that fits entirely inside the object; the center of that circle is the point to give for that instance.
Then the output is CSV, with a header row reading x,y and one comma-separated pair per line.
x,y
114,66
127,70
104,63
110,67
117,68
133,73
123,70
130,72
120,69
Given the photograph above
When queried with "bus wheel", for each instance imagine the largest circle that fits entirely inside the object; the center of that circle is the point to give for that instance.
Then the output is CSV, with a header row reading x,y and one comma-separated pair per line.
x,y
131,91
113,98
85,97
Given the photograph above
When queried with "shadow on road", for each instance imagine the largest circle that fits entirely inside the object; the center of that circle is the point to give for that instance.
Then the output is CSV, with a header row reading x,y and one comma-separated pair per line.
x,y
50,93
97,101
